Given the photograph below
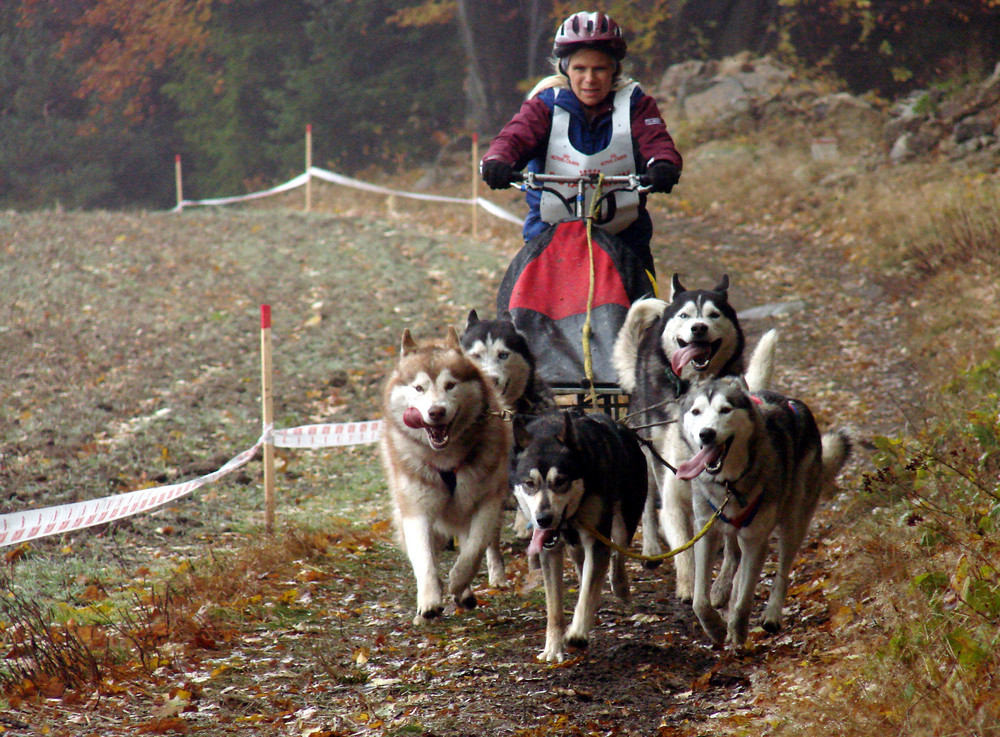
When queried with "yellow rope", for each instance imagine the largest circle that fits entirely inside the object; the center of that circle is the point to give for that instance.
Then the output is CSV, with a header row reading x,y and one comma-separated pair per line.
x,y
670,554
588,362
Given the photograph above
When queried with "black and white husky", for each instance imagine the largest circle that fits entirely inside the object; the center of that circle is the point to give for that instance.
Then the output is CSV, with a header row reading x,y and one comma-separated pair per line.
x,y
664,349
573,473
503,355
764,451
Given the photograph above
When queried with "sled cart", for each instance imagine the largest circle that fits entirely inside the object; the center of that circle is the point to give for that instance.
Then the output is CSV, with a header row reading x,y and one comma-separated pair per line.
x,y
569,289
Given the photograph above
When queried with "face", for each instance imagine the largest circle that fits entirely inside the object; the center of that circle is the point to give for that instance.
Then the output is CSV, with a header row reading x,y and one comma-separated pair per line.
x,y
507,368
591,74
698,337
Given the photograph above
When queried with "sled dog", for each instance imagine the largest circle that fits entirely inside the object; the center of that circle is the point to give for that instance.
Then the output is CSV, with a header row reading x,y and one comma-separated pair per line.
x,y
766,450
664,349
573,471
445,451
503,354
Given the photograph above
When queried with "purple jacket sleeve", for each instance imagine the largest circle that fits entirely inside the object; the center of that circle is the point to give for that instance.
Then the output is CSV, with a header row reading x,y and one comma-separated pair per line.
x,y
524,137
650,134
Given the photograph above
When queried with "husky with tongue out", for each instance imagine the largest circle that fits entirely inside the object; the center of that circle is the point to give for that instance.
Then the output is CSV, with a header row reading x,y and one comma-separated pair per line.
x,y
761,460
445,449
664,349
572,473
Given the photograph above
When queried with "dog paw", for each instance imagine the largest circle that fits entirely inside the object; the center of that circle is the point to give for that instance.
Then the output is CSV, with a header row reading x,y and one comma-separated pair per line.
x,y
578,642
771,626
426,615
713,624
552,655
466,601
651,564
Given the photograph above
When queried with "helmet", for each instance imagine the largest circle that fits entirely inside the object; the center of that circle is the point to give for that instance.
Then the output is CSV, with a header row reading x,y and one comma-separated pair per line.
x,y
595,30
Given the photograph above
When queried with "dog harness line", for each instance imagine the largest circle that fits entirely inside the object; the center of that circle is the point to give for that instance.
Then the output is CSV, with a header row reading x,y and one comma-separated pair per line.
x,y
663,556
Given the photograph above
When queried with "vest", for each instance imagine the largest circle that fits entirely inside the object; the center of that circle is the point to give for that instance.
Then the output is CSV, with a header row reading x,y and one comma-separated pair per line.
x,y
619,209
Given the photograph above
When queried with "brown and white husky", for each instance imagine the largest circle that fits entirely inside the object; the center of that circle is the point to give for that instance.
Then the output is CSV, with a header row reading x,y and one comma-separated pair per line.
x,y
444,448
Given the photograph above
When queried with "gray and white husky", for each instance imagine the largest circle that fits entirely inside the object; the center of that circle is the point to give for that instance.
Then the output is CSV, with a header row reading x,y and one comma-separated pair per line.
x,y
765,452
665,349
445,450
503,354
573,473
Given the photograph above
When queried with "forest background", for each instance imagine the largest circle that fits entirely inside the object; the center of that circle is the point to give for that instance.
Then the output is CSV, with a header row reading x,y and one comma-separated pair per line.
x,y
97,97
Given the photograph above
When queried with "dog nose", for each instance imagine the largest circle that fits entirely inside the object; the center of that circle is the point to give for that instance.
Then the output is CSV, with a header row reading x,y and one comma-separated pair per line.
x,y
437,414
707,436
544,520
699,330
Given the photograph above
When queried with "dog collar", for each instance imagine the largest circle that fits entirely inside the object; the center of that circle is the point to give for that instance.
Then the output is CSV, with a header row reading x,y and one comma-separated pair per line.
x,y
744,518
678,384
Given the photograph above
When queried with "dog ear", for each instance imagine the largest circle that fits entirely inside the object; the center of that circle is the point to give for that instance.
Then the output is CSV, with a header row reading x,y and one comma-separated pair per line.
x,y
507,316
472,319
451,339
408,344
723,286
675,286
568,430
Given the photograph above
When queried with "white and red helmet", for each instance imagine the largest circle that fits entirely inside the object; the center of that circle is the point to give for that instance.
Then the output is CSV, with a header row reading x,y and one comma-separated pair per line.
x,y
589,30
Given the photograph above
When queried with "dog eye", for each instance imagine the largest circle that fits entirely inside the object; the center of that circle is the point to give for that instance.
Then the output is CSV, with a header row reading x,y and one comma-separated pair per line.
x,y
503,355
714,315
418,388
695,412
476,355
449,386
725,410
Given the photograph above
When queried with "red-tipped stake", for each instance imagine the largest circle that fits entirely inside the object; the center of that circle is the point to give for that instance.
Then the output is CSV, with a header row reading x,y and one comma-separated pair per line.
x,y
268,415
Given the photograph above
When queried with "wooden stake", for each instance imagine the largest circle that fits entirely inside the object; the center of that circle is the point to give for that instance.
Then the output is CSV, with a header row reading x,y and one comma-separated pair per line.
x,y
309,163
178,182
475,184
268,415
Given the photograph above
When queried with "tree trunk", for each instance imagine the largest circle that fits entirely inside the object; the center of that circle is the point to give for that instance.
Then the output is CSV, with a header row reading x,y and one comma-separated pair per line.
x,y
502,42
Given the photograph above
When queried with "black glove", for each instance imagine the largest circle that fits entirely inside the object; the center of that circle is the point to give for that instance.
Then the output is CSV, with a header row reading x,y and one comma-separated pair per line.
x,y
497,174
663,176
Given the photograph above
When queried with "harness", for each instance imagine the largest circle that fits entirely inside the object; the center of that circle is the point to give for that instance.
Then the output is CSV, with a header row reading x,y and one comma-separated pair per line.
x,y
744,518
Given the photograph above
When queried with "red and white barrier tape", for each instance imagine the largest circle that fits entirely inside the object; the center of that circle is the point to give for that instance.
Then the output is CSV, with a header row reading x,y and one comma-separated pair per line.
x,y
327,436
20,527
329,176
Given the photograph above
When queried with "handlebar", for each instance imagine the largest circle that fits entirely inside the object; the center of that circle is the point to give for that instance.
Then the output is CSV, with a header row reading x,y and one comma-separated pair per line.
x,y
574,205
533,180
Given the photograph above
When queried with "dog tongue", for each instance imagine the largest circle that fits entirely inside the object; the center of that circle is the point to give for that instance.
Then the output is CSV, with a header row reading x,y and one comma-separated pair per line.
x,y
413,418
680,358
691,468
538,539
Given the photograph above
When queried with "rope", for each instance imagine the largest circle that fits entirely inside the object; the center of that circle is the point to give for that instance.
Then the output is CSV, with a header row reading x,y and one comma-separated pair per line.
x,y
663,556
588,363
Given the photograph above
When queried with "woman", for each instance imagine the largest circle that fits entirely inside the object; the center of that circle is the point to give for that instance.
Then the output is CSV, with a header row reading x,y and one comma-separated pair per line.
x,y
588,117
